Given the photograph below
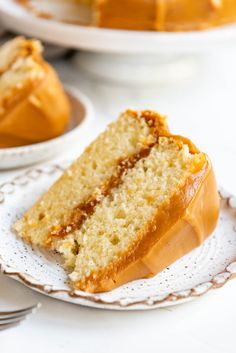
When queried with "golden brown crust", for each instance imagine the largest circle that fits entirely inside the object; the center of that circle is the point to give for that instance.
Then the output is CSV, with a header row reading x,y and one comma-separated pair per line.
x,y
132,14
154,120
198,15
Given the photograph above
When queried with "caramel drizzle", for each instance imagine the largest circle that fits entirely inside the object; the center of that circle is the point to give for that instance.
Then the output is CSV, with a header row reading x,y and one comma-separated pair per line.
x,y
84,210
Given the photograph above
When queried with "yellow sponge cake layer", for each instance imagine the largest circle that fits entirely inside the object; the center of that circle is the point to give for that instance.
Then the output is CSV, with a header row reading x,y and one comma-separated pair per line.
x,y
90,174
132,204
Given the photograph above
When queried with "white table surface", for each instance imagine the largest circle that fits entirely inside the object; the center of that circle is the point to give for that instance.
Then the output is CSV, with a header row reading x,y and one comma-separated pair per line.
x,y
203,108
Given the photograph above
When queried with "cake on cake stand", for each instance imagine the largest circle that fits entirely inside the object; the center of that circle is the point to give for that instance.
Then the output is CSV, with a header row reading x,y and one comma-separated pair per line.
x,y
119,55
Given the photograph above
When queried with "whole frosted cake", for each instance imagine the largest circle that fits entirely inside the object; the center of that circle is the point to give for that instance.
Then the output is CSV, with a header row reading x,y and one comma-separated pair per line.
x,y
155,15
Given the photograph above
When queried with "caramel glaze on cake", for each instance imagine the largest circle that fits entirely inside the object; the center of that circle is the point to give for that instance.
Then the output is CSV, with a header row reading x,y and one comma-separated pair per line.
x,y
180,226
164,15
137,199
154,15
33,105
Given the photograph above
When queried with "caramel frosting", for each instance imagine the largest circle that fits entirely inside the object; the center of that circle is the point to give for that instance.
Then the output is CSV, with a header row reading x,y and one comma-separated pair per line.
x,y
164,15
185,15
41,115
179,227
190,231
157,15
35,109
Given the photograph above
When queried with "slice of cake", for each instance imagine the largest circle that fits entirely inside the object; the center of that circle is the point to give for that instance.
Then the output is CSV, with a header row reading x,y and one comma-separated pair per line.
x,y
136,200
33,105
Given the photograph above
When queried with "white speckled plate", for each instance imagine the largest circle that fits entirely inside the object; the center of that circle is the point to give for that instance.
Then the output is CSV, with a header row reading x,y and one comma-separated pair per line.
x,y
82,114
207,267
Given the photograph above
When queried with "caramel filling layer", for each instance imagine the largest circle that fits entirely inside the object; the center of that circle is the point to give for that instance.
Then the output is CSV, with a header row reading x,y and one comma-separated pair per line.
x,y
81,212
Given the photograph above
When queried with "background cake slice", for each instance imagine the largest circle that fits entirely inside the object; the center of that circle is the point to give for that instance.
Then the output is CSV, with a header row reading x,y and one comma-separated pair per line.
x,y
154,15
33,105
135,201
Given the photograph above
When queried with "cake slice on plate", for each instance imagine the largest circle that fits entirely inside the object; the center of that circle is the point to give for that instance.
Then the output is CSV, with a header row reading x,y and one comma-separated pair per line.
x,y
136,200
33,105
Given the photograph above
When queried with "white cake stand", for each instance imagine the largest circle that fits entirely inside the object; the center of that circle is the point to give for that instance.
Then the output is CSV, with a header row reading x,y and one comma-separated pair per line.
x,y
133,56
